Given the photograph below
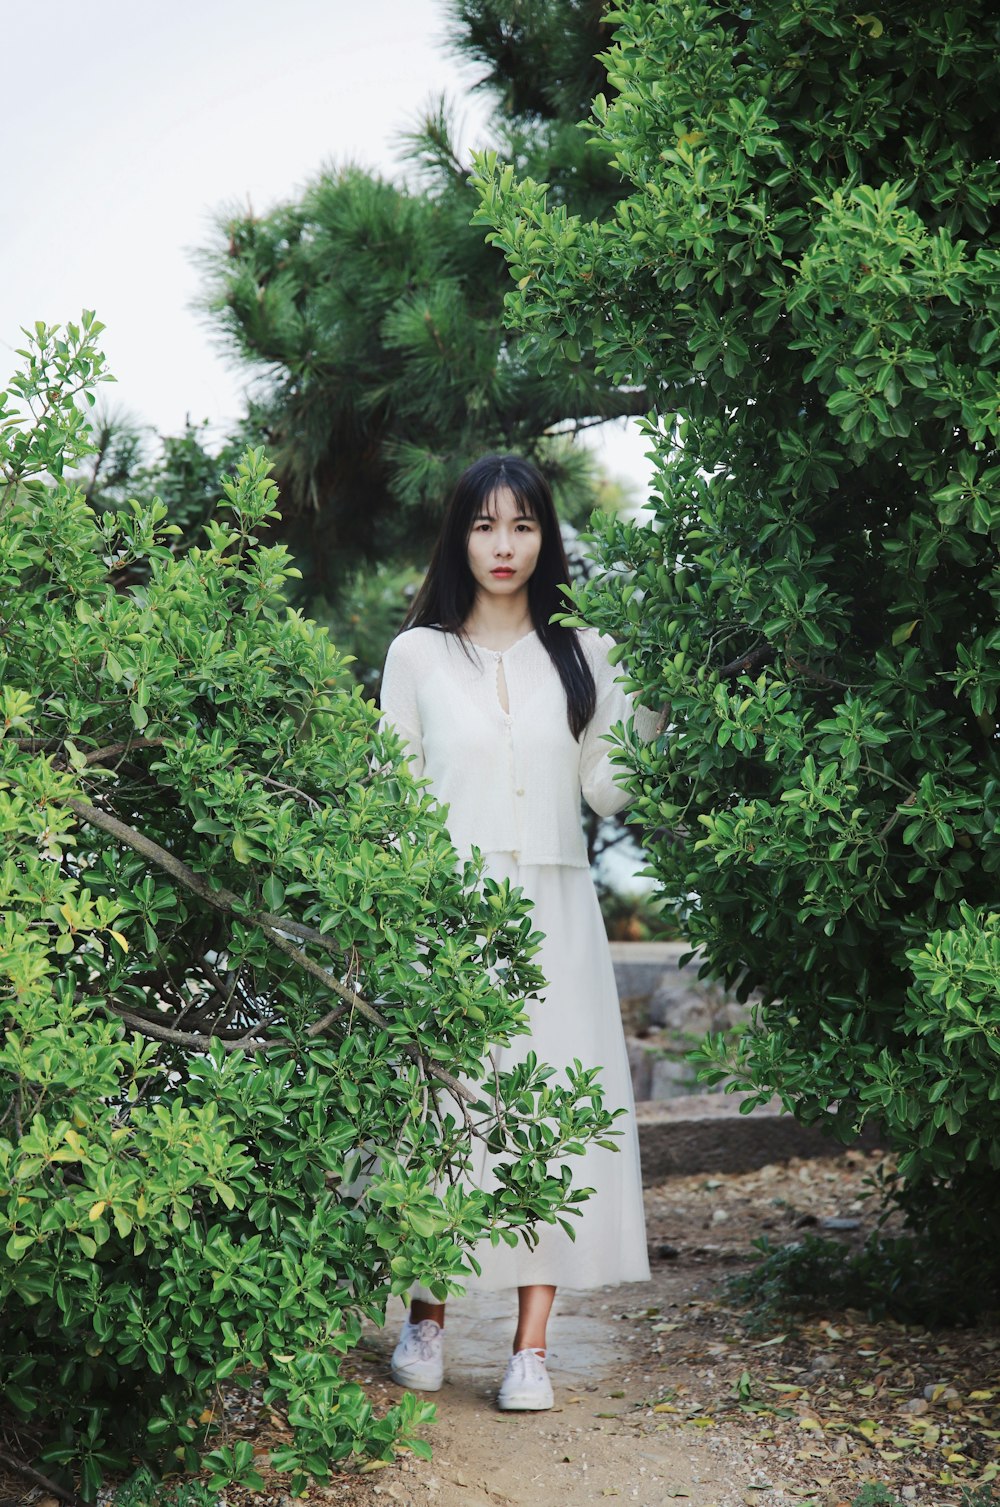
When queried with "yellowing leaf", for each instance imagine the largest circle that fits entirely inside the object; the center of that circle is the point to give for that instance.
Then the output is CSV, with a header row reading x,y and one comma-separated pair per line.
x,y
96,1210
122,943
902,633
981,1396
872,24
810,1423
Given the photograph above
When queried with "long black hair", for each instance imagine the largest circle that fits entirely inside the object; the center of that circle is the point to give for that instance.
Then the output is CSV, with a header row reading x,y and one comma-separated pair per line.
x,y
448,592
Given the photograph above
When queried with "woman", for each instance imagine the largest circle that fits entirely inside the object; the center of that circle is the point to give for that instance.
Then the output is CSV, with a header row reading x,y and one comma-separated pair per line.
x,y
506,714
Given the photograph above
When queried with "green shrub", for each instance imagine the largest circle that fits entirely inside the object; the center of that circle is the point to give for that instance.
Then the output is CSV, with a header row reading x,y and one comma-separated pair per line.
x,y
241,972
911,1280
143,1490
803,267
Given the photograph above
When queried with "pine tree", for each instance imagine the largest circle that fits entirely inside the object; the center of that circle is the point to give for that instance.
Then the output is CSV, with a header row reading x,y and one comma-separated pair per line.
x,y
373,312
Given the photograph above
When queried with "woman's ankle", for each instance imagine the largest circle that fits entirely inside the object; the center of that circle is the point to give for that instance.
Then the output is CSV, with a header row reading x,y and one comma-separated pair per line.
x,y
419,1311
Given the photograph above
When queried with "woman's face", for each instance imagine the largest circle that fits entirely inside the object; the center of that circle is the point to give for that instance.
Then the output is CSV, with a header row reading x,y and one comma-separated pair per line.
x,y
504,545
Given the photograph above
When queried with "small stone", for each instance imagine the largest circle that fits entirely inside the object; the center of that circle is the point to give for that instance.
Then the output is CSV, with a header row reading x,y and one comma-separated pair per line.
x,y
916,1405
941,1395
719,1216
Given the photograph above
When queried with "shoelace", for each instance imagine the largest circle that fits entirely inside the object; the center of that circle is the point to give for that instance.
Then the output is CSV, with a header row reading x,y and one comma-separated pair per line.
x,y
423,1337
527,1365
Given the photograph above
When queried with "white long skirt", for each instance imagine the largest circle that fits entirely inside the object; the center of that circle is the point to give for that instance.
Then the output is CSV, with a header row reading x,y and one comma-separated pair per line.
x,y
577,1017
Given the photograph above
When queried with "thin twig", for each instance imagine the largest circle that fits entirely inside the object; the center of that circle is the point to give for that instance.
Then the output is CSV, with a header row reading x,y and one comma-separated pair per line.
x,y
310,800
277,929
817,675
21,1468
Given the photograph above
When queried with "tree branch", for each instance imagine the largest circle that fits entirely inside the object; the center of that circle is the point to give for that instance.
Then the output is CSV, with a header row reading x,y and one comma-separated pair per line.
x,y
96,756
754,658
277,929
196,1040
21,1468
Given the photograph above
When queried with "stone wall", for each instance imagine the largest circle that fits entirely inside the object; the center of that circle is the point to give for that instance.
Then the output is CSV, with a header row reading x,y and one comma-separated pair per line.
x,y
666,1011
683,1128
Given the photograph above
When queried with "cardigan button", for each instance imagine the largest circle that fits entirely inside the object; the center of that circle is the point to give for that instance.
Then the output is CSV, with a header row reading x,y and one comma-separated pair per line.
x,y
519,791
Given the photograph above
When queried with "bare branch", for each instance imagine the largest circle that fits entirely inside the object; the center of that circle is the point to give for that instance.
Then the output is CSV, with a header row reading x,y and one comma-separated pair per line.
x,y
113,750
303,795
277,929
196,1040
753,659
21,1468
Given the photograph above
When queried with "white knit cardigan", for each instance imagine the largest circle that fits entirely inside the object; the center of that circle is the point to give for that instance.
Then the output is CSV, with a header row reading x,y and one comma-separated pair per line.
x,y
511,780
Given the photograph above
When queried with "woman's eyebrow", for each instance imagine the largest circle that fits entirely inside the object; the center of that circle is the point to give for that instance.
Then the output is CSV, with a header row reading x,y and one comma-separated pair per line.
x,y
518,518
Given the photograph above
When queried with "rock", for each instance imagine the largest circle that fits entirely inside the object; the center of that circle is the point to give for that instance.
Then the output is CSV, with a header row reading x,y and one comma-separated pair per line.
x,y
916,1406
941,1395
640,1062
670,1077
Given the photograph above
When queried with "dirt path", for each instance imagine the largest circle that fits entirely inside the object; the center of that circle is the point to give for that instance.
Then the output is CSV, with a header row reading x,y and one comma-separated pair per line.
x,y
664,1393
601,1441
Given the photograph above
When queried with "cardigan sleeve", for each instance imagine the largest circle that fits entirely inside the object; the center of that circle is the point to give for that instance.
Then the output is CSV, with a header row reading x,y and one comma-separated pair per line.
x,y
597,772
398,700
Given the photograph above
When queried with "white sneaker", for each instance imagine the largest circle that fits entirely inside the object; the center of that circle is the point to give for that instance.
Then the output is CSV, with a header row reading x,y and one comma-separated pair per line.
x,y
526,1387
418,1359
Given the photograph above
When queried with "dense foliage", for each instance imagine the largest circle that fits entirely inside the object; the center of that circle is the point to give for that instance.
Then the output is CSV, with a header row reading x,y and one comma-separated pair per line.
x,y
240,972
804,269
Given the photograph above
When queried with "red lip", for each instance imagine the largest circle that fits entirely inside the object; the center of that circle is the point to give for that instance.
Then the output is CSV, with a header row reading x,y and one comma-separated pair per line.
x,y
501,570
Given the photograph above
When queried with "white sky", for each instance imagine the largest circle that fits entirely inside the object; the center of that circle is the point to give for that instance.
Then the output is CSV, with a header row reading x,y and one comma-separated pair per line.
x,y
130,126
